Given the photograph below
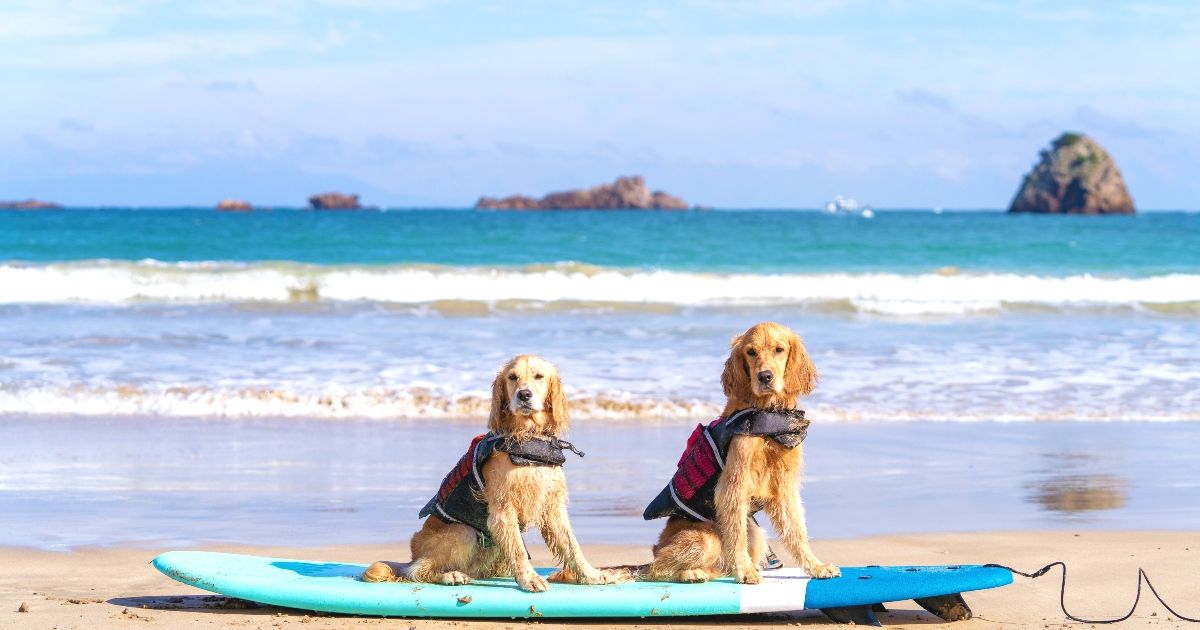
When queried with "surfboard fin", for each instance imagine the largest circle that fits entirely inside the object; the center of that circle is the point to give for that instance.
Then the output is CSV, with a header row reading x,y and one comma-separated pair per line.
x,y
949,607
857,615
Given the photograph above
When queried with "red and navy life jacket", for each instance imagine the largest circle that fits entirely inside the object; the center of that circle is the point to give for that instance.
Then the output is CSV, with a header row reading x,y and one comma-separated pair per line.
x,y
691,493
460,497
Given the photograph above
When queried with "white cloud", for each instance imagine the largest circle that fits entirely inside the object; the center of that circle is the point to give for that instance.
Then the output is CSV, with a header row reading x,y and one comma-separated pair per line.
x,y
21,22
164,50
383,5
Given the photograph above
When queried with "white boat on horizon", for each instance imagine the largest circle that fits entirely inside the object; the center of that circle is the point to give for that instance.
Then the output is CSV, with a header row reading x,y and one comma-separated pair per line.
x,y
848,206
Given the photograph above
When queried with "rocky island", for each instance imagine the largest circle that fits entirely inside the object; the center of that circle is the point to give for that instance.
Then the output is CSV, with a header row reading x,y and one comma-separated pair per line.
x,y
334,201
1075,176
625,193
28,204
233,205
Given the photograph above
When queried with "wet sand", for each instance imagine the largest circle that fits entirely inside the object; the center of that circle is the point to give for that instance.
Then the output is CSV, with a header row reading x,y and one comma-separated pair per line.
x,y
73,482
117,588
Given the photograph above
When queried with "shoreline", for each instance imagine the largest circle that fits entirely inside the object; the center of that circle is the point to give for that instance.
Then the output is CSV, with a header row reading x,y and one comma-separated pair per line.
x,y
114,587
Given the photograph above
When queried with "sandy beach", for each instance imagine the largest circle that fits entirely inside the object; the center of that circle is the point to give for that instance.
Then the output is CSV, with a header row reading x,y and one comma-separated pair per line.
x,y
117,588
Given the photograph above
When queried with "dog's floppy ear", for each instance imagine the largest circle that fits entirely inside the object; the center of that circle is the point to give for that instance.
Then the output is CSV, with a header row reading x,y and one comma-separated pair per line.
x,y
735,380
800,377
499,399
556,405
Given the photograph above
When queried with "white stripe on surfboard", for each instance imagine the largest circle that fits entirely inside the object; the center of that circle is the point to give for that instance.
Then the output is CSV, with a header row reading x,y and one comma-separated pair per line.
x,y
780,590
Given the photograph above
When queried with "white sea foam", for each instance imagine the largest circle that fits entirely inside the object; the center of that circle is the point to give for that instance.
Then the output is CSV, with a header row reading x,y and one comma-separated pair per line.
x,y
422,404
375,403
116,282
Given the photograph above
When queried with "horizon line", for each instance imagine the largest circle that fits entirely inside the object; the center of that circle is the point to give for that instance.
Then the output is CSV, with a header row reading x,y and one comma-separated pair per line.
x,y
387,208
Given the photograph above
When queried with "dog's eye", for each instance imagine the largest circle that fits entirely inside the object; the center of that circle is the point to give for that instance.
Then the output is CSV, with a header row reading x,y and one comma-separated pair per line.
x,y
752,352
778,349
538,376
512,377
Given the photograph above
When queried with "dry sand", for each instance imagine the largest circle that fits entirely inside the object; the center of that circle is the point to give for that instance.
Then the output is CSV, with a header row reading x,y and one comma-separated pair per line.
x,y
117,588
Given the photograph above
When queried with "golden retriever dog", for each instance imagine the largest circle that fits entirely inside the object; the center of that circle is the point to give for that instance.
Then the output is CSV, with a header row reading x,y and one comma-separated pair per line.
x,y
509,479
767,370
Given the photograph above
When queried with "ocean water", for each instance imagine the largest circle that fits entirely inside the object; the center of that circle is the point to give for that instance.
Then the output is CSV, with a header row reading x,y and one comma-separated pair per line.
x,y
404,315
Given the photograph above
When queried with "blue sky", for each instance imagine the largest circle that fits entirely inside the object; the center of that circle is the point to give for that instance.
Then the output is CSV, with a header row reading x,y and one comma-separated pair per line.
x,y
413,102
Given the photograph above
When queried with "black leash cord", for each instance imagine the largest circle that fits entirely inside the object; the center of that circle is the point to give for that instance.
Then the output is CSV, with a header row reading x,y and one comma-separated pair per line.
x,y
1062,593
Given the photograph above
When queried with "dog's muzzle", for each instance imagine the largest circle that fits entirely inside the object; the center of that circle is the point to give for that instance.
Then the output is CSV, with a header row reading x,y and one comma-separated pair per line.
x,y
523,401
765,384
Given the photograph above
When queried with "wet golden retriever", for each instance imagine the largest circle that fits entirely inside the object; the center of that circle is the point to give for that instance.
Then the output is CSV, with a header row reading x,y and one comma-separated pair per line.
x,y
527,405
768,369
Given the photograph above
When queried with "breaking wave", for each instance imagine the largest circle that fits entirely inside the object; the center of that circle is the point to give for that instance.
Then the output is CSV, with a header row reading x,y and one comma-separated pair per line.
x,y
473,290
425,404
376,403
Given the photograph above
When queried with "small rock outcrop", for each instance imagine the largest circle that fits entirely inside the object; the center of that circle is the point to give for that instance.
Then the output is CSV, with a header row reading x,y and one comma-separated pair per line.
x,y
334,201
234,205
28,204
625,193
1075,176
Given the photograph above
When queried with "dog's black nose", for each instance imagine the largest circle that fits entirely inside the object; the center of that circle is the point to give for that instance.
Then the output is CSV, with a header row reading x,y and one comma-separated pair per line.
x,y
524,395
765,377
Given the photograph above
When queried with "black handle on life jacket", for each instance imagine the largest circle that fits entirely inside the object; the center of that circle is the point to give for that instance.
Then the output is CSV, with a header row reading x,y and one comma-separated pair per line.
x,y
565,445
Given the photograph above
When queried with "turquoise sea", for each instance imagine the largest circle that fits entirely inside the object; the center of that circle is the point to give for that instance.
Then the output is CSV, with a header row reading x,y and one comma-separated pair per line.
x,y
305,376
748,241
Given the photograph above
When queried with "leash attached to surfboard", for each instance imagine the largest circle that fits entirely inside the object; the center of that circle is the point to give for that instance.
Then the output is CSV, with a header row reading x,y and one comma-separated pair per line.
x,y
1062,593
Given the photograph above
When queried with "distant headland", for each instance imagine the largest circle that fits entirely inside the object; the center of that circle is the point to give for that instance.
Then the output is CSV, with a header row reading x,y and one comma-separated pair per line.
x,y
1076,176
624,193
28,204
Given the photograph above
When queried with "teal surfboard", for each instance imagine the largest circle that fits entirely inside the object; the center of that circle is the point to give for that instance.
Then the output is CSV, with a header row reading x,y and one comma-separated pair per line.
x,y
334,587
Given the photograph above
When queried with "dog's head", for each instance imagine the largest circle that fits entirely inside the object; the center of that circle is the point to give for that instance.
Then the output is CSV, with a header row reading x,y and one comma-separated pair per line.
x,y
527,398
768,368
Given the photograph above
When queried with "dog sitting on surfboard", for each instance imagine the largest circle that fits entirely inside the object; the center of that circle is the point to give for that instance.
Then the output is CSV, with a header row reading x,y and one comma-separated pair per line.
x,y
747,460
509,478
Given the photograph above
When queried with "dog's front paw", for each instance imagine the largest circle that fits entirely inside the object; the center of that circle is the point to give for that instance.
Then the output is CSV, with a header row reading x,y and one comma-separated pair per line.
x,y
455,578
594,577
533,583
619,575
747,573
823,570
693,576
